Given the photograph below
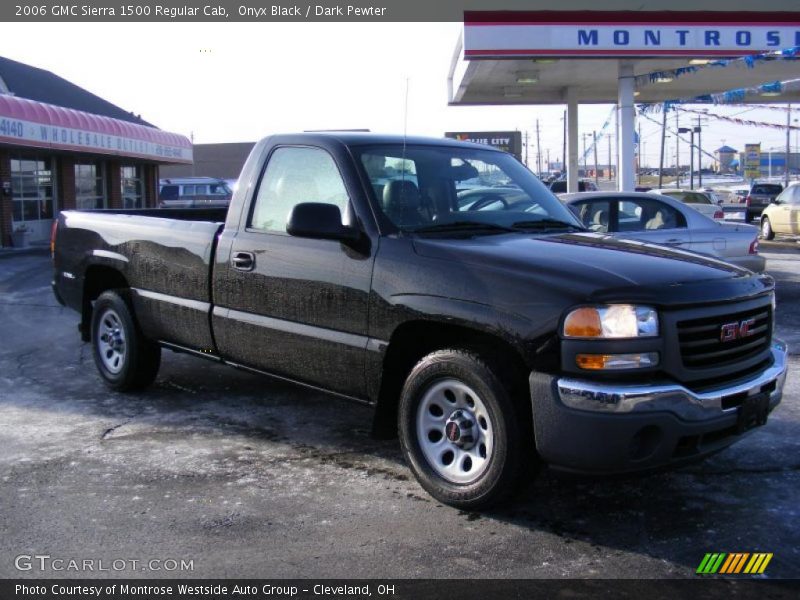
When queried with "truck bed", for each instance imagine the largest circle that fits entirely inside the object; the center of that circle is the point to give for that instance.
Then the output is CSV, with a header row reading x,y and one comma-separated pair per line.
x,y
164,255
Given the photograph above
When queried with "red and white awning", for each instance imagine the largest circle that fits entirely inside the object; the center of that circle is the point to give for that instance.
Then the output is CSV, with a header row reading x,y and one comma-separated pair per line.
x,y
38,125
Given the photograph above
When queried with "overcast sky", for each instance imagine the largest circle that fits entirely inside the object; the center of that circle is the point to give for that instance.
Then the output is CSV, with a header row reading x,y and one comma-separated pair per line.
x,y
231,82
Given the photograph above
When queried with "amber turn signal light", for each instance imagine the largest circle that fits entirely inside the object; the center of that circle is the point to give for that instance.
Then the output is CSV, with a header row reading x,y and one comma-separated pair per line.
x,y
610,362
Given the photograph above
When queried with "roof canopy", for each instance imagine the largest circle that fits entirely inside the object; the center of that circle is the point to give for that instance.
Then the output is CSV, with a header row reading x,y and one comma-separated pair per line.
x,y
36,124
532,57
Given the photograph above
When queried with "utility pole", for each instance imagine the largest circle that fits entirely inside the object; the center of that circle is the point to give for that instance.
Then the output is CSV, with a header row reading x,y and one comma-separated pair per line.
x,y
677,152
583,136
616,144
690,131
538,151
639,155
788,146
699,155
594,145
609,156
663,139
564,148
526,149
548,161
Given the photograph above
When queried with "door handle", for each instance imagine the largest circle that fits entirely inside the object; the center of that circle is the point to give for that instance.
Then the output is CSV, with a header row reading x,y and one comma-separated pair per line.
x,y
243,261
674,241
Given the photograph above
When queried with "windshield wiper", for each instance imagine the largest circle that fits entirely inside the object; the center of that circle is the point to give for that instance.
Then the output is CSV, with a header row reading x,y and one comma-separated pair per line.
x,y
547,224
464,226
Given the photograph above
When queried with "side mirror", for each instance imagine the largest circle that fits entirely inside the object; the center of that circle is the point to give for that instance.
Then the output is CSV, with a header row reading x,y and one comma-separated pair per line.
x,y
321,221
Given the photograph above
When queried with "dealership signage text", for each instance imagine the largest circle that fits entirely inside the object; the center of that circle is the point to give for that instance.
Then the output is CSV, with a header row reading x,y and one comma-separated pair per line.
x,y
519,39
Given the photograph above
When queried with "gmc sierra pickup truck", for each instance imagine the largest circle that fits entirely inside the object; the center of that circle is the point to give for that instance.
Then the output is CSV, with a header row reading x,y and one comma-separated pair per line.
x,y
491,331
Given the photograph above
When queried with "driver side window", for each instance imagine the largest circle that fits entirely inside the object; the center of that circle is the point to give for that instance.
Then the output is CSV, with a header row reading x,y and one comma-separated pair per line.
x,y
293,176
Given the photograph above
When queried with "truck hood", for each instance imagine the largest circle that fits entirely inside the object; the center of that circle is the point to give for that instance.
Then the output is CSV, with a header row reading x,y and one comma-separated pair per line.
x,y
597,267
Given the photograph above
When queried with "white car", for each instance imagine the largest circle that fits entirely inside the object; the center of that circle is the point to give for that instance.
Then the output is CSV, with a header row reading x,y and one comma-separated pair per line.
x,y
660,219
700,201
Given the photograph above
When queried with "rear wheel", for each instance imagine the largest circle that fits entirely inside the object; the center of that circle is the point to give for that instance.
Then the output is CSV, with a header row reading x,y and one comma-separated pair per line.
x,y
124,358
460,431
766,229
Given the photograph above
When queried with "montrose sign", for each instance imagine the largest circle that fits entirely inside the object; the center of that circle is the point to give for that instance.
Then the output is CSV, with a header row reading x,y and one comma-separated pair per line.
x,y
496,34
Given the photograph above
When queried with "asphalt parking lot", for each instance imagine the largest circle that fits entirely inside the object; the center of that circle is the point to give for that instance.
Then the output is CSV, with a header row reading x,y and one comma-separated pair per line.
x,y
246,477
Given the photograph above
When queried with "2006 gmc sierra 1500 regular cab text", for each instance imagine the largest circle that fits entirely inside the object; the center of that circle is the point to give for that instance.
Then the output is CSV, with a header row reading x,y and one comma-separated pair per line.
x,y
494,335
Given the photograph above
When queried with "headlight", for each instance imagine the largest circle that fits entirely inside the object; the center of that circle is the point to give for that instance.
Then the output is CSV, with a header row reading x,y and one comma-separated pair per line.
x,y
614,321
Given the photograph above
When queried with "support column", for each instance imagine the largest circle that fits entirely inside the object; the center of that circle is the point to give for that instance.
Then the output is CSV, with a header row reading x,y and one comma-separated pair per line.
x,y
114,184
149,184
66,184
6,206
572,139
626,180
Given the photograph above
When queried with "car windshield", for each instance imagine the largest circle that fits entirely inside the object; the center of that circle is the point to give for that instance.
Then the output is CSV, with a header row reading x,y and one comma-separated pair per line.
x,y
448,190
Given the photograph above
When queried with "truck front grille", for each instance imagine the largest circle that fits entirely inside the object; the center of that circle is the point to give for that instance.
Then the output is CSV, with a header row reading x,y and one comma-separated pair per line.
x,y
722,340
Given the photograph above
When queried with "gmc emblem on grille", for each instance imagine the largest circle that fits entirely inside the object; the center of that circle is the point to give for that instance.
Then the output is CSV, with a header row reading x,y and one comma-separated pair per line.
x,y
734,331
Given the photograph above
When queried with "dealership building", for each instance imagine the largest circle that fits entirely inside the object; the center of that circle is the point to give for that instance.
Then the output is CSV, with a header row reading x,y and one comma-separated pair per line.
x,y
63,147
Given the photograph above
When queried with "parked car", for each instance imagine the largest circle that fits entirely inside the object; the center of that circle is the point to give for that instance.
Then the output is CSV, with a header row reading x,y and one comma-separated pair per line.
x,y
194,192
782,216
661,219
584,185
715,196
759,197
699,201
491,341
737,194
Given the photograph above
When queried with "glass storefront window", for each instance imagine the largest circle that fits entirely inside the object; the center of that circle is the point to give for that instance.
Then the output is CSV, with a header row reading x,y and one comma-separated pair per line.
x,y
132,186
90,187
31,189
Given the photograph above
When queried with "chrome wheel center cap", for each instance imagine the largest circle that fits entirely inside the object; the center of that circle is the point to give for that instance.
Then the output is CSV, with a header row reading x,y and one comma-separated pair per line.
x,y
460,429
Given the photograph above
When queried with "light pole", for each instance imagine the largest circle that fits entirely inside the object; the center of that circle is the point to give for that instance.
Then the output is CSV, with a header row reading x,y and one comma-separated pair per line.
x,y
690,131
796,142
584,136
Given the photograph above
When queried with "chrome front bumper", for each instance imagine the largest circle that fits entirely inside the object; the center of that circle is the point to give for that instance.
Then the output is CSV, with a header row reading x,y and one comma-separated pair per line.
x,y
672,397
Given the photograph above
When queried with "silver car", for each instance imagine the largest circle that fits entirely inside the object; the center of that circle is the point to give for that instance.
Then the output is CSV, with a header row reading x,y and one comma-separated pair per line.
x,y
700,201
663,220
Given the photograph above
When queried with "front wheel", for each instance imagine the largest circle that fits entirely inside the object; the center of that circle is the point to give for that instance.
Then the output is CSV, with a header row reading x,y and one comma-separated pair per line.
x,y
766,229
125,359
460,431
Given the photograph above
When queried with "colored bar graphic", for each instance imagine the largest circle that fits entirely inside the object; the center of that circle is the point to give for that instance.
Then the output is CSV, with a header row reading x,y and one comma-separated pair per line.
x,y
711,563
732,564
758,563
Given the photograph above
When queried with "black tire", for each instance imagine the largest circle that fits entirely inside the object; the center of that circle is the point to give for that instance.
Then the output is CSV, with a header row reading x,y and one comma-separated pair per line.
x,y
125,359
766,229
511,457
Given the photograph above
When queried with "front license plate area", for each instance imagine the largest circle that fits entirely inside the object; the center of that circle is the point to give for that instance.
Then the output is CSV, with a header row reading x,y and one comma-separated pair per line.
x,y
753,412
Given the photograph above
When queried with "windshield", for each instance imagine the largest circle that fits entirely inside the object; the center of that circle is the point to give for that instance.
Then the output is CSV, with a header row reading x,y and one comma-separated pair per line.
x,y
462,191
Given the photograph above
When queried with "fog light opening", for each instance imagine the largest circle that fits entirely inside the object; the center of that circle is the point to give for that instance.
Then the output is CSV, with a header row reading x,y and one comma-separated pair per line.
x,y
645,443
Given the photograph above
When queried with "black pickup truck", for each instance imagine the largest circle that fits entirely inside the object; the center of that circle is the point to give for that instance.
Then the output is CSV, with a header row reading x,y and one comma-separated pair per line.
x,y
442,283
